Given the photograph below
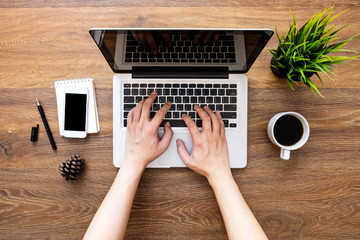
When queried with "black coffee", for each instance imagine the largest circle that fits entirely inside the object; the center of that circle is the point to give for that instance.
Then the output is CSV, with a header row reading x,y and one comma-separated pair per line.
x,y
288,130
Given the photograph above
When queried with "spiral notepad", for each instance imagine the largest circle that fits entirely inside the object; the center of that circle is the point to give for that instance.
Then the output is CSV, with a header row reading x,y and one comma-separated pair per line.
x,y
93,119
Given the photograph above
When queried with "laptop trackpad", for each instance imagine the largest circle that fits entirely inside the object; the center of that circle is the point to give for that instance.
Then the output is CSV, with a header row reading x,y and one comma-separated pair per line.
x,y
170,156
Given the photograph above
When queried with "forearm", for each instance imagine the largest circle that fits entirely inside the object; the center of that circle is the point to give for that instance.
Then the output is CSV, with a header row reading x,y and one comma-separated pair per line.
x,y
111,219
239,220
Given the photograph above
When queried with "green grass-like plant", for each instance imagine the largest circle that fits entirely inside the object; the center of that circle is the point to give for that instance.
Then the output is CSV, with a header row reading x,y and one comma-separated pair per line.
x,y
304,52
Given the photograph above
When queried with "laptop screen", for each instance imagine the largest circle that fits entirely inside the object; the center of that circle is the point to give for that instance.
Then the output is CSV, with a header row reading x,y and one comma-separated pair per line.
x,y
236,50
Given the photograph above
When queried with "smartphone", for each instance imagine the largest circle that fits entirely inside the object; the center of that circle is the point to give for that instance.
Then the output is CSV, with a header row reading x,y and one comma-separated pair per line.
x,y
75,112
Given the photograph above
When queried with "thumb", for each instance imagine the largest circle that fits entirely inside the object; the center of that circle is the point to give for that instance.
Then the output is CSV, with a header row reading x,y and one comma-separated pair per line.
x,y
183,153
166,138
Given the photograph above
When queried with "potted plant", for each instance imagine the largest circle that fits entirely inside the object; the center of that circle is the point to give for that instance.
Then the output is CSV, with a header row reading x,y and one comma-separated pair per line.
x,y
309,50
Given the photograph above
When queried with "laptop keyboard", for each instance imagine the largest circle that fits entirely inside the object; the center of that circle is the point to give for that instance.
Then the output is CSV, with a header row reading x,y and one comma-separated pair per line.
x,y
183,50
184,97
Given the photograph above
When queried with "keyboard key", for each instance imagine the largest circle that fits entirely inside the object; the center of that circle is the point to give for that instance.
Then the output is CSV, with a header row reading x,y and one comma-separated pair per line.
x,y
128,107
228,115
127,85
201,99
134,91
126,92
221,92
209,99
176,115
129,99
213,92
205,92
217,99
186,99
182,92
212,107
174,123
142,92
189,92
226,123
125,123
168,115
219,107
162,99
197,92
170,99
233,100
233,86
174,92
177,99
166,91
231,107
179,107
233,125
138,99
199,123
231,92
225,99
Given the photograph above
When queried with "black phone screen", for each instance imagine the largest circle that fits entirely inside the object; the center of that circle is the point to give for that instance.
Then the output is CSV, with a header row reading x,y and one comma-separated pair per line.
x,y
75,112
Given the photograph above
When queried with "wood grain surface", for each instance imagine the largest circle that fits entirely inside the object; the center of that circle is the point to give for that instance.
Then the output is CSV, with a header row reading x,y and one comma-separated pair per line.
x,y
314,195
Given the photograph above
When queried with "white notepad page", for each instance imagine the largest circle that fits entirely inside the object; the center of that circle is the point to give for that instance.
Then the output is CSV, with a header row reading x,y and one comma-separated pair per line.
x,y
93,119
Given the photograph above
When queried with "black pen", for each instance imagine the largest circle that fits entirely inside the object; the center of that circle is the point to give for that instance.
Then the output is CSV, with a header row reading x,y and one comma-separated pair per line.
x,y
42,114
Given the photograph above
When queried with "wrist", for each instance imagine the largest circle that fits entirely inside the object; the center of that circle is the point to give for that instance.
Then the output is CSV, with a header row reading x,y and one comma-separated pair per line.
x,y
132,168
220,178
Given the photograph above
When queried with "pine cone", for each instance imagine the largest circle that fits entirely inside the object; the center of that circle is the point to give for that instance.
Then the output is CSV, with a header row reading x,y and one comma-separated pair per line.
x,y
71,168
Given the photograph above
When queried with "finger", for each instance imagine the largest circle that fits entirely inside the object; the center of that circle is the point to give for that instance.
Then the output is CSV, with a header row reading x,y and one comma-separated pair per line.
x,y
151,41
145,111
193,129
143,39
222,125
199,37
166,38
137,112
183,153
206,120
214,121
166,138
159,116
136,36
208,37
216,36
130,117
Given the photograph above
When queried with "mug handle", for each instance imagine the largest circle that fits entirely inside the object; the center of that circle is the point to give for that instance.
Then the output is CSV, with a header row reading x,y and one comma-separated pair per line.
x,y
285,154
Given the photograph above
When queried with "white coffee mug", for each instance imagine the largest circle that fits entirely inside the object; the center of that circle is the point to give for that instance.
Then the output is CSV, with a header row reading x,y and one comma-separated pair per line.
x,y
285,149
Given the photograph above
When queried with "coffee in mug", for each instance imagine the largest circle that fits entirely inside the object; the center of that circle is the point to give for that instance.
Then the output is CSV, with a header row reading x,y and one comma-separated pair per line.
x,y
289,131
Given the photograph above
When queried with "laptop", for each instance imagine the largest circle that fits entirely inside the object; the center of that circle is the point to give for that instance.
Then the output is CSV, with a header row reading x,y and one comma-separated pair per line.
x,y
185,67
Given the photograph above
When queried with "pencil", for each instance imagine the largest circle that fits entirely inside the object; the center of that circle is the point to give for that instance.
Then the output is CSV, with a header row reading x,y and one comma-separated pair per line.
x,y
42,114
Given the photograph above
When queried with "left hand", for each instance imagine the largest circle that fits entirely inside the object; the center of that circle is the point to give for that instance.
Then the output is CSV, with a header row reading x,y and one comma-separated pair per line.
x,y
142,141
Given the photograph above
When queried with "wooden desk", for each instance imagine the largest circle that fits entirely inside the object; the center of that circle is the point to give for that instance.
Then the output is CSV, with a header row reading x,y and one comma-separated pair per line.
x,y
315,195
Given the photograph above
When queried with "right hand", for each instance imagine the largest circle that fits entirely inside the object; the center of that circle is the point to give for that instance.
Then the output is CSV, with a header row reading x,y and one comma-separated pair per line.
x,y
210,156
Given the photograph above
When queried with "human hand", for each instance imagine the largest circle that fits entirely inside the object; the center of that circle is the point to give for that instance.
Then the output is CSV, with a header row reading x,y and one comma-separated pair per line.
x,y
210,155
146,38
142,141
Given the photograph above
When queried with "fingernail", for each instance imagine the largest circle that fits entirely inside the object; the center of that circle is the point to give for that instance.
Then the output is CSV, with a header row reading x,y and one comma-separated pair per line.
x,y
178,142
167,124
183,115
206,107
